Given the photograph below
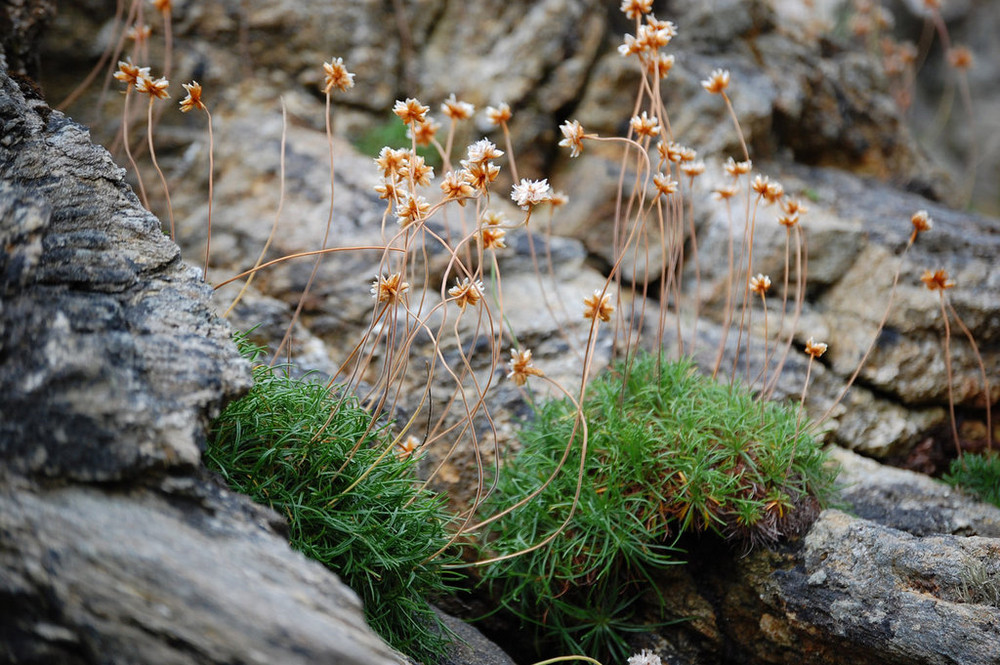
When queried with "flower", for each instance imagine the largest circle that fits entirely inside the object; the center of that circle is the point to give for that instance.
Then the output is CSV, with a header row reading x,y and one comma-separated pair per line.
x,y
411,209
773,192
760,284
390,188
493,238
759,184
558,199
921,222
193,99
138,33
337,76
129,74
457,110
392,161
937,280
644,657
466,292
573,132
736,169
389,289
636,8
153,87
665,184
960,57
418,170
598,306
163,5
410,111
480,174
456,188
482,151
423,132
788,220
717,82
409,446
815,349
494,218
644,125
794,207
670,151
660,65
498,115
725,192
529,193
520,367
693,169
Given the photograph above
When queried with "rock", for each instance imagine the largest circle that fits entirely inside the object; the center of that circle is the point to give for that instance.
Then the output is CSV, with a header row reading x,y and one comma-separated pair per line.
x,y
117,545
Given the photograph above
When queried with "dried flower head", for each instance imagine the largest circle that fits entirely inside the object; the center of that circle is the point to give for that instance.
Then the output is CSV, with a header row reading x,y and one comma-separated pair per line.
x,y
960,57
138,33
760,184
392,161
423,133
457,110
153,87
665,185
794,206
530,193
456,188
644,125
937,280
760,284
498,115
410,111
725,192
636,8
163,5
337,76
408,446
644,657
558,199
482,151
659,65
736,169
773,192
717,82
492,237
418,171
391,188
921,222
573,131
494,218
480,174
520,368
466,292
129,74
193,99
598,306
389,289
788,220
693,169
411,209
815,349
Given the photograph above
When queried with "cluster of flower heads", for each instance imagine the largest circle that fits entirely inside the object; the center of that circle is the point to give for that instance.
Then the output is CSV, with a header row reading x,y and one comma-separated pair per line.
x,y
649,38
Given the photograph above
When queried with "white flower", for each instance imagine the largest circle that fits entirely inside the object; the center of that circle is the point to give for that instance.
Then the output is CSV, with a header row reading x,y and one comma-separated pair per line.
x,y
644,657
529,193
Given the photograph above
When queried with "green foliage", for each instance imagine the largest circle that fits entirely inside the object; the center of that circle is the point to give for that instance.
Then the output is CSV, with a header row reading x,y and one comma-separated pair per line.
x,y
392,134
294,446
670,451
978,475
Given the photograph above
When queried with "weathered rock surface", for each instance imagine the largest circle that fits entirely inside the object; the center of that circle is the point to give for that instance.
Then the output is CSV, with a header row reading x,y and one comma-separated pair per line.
x,y
116,547
898,588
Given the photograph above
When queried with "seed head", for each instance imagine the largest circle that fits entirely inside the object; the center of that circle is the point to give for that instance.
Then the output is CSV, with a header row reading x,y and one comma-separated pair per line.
x,y
408,446
636,8
597,306
520,367
498,115
760,284
937,280
815,349
337,76
392,161
717,82
725,192
129,74
163,5
457,110
423,132
153,87
644,125
389,289
530,193
456,188
466,292
773,192
411,209
138,33
921,222
482,151
644,657
659,65
493,218
693,169
558,199
410,111
794,206
480,174
492,237
573,132
788,220
419,171
193,99
759,184
960,57
736,169
391,188
665,185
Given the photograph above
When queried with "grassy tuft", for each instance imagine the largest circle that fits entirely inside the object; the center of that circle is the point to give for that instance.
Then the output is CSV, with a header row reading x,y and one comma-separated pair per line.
x,y
670,451
978,475
379,535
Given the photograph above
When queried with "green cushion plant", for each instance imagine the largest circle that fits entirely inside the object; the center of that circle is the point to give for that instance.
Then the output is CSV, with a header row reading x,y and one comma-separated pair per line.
x,y
977,474
670,451
352,502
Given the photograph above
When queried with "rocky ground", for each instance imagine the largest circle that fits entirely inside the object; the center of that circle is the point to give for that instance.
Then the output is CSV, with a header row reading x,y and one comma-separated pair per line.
x,y
114,361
